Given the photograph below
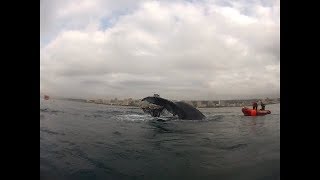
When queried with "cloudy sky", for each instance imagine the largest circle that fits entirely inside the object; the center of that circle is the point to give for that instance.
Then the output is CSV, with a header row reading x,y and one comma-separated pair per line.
x,y
180,49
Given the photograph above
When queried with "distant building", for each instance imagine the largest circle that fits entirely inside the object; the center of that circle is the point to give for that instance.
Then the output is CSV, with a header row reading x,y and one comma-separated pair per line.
x,y
202,104
194,103
99,101
188,102
222,103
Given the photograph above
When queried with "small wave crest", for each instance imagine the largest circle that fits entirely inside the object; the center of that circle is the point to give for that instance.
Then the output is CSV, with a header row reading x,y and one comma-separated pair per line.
x,y
215,118
133,117
49,111
234,147
48,131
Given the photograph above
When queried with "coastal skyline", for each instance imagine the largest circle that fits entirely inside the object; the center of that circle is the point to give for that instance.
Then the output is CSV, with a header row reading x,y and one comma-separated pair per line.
x,y
179,49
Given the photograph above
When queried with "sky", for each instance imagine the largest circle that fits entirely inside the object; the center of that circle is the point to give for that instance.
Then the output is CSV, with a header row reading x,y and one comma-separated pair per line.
x,y
180,49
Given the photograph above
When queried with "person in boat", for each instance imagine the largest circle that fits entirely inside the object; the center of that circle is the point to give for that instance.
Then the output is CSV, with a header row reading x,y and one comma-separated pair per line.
x,y
263,106
255,105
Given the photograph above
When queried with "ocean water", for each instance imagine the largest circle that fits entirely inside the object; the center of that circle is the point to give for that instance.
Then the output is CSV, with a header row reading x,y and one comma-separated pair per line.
x,y
94,141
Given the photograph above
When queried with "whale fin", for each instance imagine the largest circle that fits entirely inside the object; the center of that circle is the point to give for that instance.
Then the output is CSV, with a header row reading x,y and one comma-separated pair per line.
x,y
169,105
182,109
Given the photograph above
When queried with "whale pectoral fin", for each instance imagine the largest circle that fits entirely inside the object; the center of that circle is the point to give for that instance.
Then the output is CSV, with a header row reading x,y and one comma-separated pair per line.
x,y
182,109
168,105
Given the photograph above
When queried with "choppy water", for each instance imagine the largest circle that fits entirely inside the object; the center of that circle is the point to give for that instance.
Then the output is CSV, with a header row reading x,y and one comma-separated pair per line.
x,y
91,141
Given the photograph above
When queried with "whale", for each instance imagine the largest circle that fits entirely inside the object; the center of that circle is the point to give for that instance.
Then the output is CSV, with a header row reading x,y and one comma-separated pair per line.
x,y
183,110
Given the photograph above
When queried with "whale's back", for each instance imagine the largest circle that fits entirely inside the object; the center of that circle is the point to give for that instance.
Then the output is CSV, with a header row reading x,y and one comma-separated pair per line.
x,y
189,111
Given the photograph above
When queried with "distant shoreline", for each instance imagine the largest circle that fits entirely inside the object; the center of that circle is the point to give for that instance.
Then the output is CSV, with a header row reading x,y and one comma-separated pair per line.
x,y
137,107
204,104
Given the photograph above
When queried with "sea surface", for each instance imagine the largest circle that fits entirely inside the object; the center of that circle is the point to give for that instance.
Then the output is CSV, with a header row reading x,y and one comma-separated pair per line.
x,y
94,141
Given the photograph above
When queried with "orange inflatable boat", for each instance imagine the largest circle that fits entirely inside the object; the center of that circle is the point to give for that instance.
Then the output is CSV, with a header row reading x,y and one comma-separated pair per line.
x,y
250,112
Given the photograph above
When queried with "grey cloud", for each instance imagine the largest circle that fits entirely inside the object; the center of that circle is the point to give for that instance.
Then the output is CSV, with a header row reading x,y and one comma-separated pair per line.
x,y
157,49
